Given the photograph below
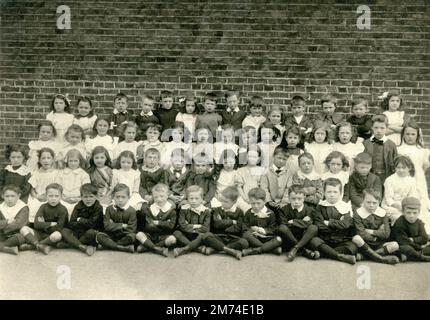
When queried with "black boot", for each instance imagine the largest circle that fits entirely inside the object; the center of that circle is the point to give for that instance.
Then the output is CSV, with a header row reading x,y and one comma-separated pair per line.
x,y
251,251
377,257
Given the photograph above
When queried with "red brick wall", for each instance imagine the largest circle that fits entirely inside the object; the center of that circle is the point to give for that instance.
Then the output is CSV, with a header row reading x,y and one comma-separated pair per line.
x,y
273,48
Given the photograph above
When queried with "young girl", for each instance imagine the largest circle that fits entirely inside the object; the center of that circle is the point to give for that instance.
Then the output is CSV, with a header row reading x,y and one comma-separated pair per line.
x,y
227,143
276,118
226,175
60,116
188,116
319,147
294,144
337,167
412,146
204,143
247,139
85,117
102,138
74,137
47,134
16,173
72,178
177,141
346,142
153,132
40,179
126,173
391,103
129,132
398,186
268,137
256,118
100,172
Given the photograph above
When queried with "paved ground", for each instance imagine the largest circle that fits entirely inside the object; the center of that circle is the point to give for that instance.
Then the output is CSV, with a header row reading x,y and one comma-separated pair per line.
x,y
108,275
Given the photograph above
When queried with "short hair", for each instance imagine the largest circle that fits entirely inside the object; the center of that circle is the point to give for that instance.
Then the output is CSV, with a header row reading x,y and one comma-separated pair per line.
x,y
160,187
381,118
296,188
332,182
231,93
166,94
88,188
152,151
23,149
329,98
346,124
359,100
297,100
334,155
375,193
76,128
85,99
231,193
194,188
210,96
47,123
280,150
306,155
120,95
147,97
153,126
406,161
121,187
11,187
363,157
54,186
126,154
256,102
257,193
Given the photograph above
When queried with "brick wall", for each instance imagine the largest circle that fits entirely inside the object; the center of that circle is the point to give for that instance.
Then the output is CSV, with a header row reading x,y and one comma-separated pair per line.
x,y
273,48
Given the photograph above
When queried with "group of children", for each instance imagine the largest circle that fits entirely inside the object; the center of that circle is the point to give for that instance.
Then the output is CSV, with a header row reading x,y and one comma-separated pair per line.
x,y
224,181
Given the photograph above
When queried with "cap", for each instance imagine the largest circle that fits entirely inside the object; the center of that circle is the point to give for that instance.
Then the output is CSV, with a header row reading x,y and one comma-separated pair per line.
x,y
411,202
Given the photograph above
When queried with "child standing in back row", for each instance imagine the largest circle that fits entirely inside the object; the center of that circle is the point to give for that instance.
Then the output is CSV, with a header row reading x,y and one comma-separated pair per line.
x,y
120,114
60,116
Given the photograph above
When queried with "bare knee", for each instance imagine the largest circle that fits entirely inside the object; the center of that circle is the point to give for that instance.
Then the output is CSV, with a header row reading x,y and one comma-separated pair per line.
x,y
170,241
392,246
358,240
25,230
55,236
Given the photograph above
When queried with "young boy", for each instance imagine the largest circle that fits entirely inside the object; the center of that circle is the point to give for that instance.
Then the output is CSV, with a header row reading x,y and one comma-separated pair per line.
x,y
176,176
13,216
298,117
382,150
333,217
373,229
49,222
146,116
119,222
259,225
360,119
158,221
210,118
276,180
151,173
360,180
85,222
295,222
120,113
166,113
202,176
329,116
255,119
233,115
409,232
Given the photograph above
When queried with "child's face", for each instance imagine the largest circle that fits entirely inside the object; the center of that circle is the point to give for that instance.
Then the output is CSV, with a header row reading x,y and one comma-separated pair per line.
x,y
46,160
74,137
100,159
411,214
46,133
73,163
84,108
228,163
328,108
370,203
410,136
151,160
121,104
16,158
256,204
359,110
102,128
267,135
11,197
147,105
200,168
126,163
298,108
228,136
394,103
320,135
178,162
379,129
167,103
256,111
195,199
152,134
53,196
306,165
177,135
210,105
130,134
160,198
335,165
332,194
227,203
296,199
280,159
345,134
402,170
232,102
59,105
190,106
121,198
292,140
275,117
202,135
253,158
363,169
88,199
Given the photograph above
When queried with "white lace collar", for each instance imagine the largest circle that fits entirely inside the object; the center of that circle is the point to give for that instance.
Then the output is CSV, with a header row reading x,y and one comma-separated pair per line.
x,y
23,170
149,114
310,176
341,206
152,170
363,213
155,209
11,212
